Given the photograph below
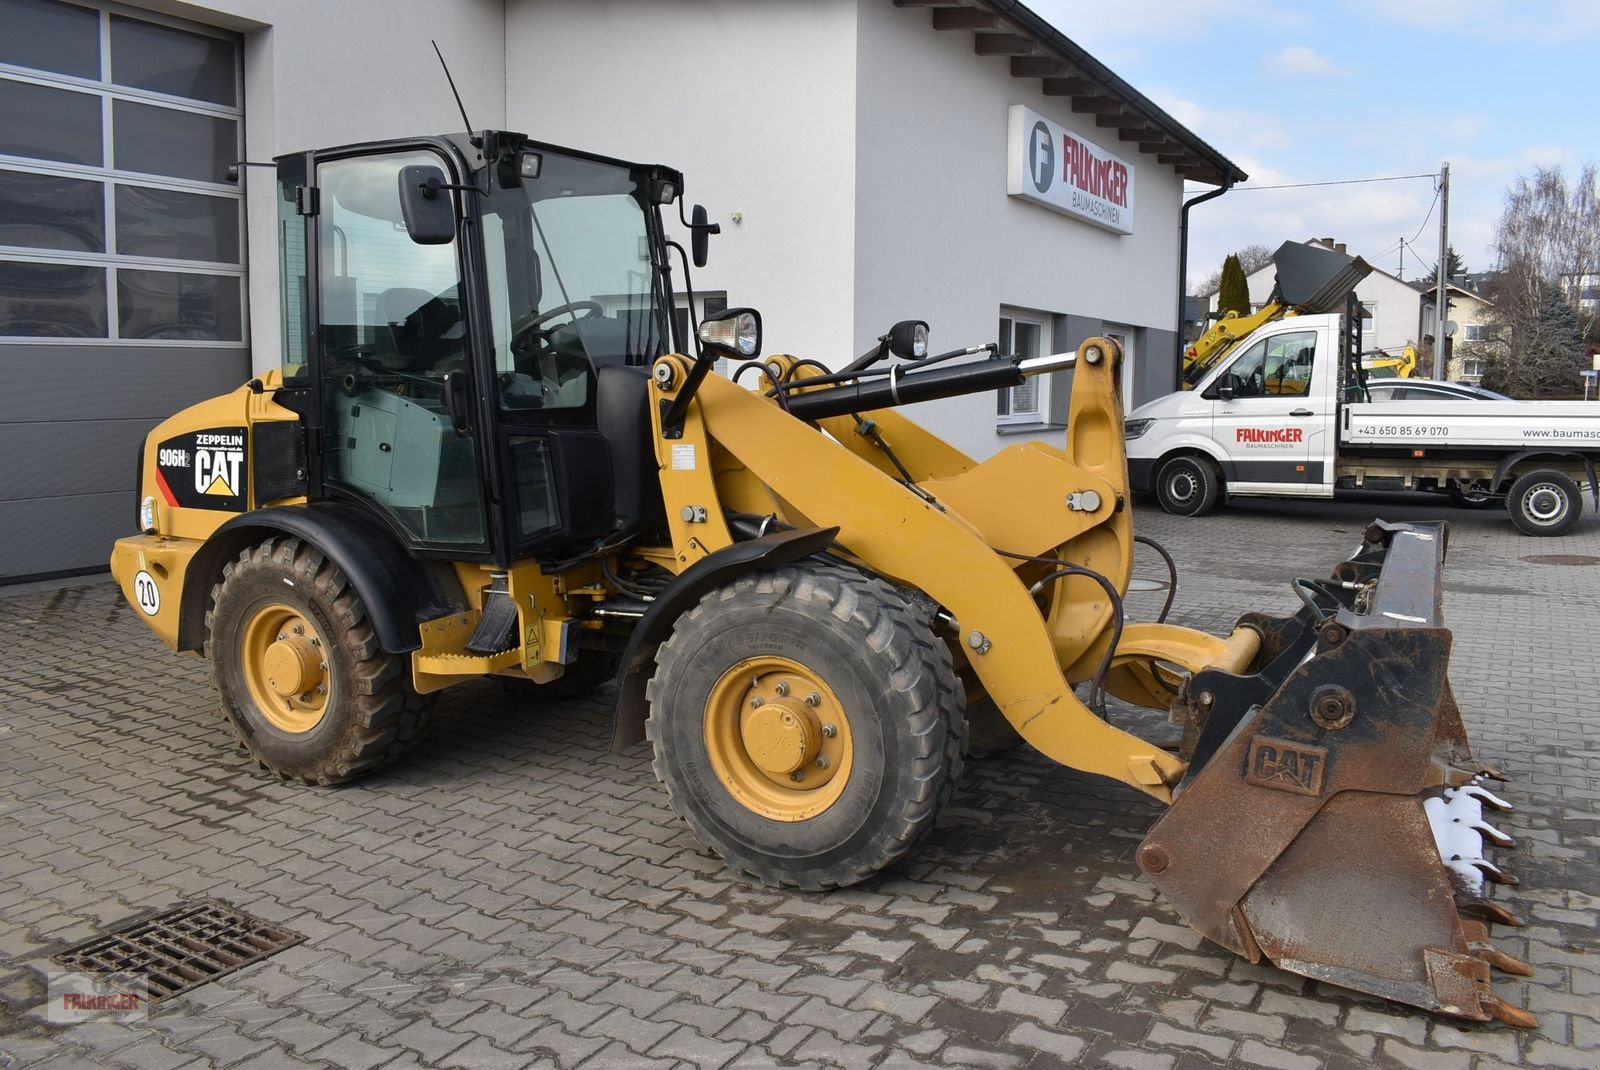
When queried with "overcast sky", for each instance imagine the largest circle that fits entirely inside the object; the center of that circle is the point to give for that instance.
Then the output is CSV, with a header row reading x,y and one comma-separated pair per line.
x,y
1340,89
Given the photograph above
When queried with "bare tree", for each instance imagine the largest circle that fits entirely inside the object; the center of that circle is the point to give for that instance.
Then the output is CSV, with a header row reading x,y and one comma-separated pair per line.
x,y
1254,257
1548,245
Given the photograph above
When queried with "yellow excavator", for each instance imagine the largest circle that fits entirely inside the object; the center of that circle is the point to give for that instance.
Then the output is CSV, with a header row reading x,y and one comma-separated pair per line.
x,y
1310,280
1379,364
490,449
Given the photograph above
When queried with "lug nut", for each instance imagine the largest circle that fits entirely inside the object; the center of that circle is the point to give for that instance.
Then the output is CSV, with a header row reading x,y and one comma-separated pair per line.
x,y
757,702
822,761
797,776
813,699
782,689
829,731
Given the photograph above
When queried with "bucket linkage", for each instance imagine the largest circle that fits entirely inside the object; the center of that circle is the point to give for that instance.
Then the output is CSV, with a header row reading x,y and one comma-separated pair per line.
x,y
1332,817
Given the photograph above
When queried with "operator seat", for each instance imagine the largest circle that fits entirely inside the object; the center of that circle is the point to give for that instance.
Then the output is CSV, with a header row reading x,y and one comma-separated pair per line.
x,y
622,416
417,330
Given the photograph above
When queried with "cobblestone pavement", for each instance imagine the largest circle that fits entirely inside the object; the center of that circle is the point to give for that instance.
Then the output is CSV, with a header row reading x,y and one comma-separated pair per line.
x,y
513,894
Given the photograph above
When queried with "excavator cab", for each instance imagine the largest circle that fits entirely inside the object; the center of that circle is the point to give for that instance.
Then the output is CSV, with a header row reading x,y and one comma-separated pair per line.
x,y
482,388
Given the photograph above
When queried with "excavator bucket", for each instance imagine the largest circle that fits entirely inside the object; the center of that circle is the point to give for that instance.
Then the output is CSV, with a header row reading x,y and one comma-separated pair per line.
x,y
1332,819
1313,280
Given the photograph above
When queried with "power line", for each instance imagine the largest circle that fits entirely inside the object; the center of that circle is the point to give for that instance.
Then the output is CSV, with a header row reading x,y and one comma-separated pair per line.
x,y
1427,217
1335,182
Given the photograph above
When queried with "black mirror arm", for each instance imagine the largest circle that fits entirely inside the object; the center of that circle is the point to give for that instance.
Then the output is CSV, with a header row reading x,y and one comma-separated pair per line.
x,y
430,189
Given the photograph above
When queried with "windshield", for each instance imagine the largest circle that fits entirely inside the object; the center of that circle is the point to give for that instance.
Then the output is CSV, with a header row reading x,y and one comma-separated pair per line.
x,y
571,281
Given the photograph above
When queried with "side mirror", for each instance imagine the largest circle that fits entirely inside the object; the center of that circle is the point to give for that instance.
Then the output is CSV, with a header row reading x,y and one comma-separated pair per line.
x,y
908,339
1225,392
700,231
426,204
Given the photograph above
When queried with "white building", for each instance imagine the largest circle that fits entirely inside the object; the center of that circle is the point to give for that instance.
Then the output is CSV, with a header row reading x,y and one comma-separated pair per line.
x,y
861,156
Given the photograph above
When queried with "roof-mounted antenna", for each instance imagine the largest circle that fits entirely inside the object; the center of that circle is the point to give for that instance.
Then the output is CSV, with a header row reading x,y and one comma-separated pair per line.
x,y
456,93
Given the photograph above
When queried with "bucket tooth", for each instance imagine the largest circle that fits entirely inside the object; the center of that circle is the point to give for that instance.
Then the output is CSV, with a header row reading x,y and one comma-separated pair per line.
x,y
1486,797
1475,906
1495,873
1512,1016
1476,934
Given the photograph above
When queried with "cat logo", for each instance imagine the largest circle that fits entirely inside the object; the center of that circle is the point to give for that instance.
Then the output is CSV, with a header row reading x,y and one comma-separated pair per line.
x,y
218,463
205,469
1284,766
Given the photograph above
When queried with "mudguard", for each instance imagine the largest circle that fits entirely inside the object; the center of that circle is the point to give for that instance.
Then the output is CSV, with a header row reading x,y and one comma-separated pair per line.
x,y
779,548
397,591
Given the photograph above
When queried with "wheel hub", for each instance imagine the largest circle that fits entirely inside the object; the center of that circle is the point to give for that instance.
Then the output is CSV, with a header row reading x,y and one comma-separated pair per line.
x,y
778,739
292,666
284,661
1544,503
1181,487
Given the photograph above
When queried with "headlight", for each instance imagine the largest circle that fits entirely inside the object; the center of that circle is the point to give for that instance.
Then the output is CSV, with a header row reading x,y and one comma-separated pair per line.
x,y
1135,428
908,339
736,332
147,515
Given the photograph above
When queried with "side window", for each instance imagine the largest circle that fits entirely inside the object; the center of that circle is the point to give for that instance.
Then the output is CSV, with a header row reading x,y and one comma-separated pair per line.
x,y
1290,359
1022,336
1245,375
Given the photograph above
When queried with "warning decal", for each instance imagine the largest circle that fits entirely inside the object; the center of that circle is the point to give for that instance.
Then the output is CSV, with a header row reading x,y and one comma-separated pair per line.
x,y
204,469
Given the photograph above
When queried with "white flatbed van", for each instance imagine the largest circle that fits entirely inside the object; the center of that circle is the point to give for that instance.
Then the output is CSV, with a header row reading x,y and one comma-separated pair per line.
x,y
1287,416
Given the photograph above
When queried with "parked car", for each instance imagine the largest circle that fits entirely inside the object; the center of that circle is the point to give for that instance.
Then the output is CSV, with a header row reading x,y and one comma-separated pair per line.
x,y
1428,390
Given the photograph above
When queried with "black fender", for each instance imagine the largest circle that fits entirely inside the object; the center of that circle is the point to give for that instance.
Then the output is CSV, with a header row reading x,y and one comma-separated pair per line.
x,y
1502,473
715,570
398,591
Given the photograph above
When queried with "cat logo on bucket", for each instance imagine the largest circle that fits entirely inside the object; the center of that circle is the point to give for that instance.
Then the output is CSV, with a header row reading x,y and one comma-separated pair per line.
x,y
1284,766
204,469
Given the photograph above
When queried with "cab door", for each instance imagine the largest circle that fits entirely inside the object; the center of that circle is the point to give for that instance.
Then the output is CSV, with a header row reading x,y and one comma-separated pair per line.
x,y
1267,415
392,344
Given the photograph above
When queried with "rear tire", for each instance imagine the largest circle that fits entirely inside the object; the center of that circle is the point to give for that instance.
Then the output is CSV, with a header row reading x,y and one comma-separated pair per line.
x,y
989,734
859,742
304,684
1188,486
1544,502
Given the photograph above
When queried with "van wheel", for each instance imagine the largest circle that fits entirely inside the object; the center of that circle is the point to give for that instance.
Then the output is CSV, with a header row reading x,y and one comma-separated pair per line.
x,y
1544,503
1188,486
303,681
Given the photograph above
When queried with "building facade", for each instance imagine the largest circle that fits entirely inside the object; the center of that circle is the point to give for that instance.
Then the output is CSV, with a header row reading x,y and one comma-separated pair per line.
x,y
869,161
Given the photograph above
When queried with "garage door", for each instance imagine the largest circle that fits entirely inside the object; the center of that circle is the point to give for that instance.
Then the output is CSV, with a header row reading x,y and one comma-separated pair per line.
x,y
121,261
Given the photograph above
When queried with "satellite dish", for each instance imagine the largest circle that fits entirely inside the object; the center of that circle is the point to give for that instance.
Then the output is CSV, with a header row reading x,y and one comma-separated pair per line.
x,y
1450,328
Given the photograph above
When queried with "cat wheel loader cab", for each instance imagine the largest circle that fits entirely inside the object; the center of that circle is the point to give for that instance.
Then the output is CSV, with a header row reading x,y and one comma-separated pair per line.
x,y
491,449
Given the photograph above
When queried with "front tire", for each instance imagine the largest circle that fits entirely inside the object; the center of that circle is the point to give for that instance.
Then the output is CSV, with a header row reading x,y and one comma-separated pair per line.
x,y
1545,502
1188,486
304,684
807,725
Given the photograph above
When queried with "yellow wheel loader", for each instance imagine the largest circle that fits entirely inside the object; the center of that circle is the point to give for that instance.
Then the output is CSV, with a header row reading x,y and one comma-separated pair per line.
x,y
492,449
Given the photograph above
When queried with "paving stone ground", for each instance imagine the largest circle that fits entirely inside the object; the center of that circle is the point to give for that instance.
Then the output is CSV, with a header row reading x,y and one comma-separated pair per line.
x,y
512,894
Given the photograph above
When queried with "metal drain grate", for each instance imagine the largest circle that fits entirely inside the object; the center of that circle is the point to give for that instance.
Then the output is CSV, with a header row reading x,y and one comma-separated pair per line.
x,y
181,948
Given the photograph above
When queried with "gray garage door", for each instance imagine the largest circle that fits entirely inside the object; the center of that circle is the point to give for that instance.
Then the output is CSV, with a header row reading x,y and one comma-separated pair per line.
x,y
121,261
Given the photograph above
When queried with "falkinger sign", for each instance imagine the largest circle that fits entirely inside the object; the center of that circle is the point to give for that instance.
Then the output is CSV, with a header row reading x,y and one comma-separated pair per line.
x,y
1049,165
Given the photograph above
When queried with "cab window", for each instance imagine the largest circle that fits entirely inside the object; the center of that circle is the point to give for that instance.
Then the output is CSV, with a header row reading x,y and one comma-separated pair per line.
x,y
1274,367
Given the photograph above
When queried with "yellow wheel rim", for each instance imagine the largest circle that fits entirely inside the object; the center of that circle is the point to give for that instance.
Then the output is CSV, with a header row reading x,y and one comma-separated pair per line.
x,y
285,663
778,739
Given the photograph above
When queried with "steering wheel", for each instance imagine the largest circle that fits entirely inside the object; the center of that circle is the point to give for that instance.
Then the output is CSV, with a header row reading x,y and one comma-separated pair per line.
x,y
1257,385
537,320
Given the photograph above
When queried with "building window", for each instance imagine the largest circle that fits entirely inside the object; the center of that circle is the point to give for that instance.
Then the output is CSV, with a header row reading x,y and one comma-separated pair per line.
x,y
1472,332
1472,368
1369,319
117,221
1024,335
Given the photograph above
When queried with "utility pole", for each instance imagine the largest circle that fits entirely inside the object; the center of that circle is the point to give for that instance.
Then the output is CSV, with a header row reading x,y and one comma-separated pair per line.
x,y
1400,272
1441,306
